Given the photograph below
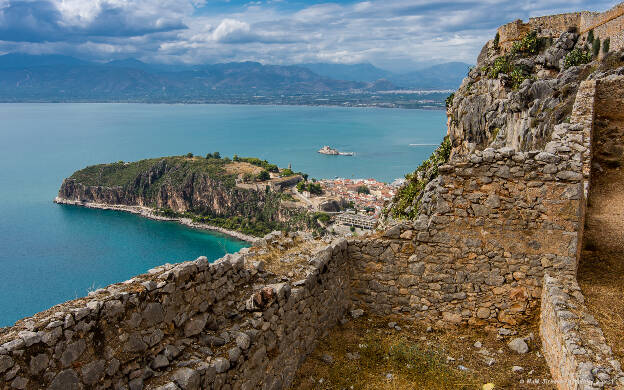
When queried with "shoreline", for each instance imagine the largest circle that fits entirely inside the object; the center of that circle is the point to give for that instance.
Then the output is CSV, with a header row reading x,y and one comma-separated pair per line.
x,y
148,213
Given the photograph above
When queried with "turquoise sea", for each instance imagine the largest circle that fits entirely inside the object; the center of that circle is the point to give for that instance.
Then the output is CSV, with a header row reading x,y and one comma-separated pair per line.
x,y
51,253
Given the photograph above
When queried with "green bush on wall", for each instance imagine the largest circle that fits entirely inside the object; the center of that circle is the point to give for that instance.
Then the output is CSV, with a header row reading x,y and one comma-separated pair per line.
x,y
596,47
606,45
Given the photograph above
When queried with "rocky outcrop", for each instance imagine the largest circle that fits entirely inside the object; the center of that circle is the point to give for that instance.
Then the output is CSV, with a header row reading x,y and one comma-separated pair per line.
x,y
488,110
168,185
173,186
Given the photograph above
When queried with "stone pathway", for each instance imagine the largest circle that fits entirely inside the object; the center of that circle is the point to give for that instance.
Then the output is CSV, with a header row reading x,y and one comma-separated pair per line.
x,y
601,268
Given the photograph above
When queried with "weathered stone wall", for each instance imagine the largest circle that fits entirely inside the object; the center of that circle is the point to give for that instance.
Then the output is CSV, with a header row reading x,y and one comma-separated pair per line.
x,y
493,226
573,343
193,325
608,24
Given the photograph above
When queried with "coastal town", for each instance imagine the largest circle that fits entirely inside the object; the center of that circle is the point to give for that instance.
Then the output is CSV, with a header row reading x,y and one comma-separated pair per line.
x,y
367,196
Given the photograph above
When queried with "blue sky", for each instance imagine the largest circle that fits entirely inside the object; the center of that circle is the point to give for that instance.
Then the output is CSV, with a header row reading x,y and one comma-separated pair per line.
x,y
399,35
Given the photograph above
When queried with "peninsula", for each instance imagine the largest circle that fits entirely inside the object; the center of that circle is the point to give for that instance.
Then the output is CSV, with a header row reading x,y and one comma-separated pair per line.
x,y
242,196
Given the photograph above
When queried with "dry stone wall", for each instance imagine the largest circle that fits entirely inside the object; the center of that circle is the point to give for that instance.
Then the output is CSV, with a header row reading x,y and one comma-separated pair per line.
x,y
572,341
226,325
490,227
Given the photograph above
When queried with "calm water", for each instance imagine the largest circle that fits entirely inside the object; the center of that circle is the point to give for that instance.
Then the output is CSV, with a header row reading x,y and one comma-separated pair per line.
x,y
51,253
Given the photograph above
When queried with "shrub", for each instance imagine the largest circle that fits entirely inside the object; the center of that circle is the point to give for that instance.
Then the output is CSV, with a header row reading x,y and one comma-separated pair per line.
x,y
530,44
577,57
189,155
500,65
363,190
606,45
449,100
287,172
406,199
590,36
315,188
264,175
497,42
596,47
517,76
352,228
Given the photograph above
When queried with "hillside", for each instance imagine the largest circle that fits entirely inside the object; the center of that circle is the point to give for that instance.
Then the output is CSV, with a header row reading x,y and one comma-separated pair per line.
x,y
441,76
236,195
61,78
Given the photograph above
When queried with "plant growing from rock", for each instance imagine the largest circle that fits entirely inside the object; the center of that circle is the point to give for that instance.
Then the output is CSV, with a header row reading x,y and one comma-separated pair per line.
x,y
577,57
497,42
449,100
405,202
596,47
530,44
606,45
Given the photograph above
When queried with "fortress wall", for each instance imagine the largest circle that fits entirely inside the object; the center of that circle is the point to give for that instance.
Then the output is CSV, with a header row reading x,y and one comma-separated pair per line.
x,y
493,226
608,24
193,325
573,343
555,25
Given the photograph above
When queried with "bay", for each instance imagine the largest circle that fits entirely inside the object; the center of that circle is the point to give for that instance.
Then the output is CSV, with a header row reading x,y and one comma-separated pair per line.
x,y
51,253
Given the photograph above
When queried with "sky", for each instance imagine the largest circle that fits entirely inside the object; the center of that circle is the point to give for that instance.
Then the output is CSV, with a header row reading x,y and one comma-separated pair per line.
x,y
399,35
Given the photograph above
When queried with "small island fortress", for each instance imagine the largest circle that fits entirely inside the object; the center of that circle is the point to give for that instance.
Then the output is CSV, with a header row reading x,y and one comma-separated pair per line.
x,y
495,229
333,152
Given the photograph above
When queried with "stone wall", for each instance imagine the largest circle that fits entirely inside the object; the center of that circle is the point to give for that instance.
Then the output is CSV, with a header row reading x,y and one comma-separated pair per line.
x,y
608,24
572,340
229,324
491,227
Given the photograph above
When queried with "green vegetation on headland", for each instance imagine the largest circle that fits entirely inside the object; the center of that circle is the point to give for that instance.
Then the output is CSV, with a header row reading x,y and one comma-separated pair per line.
x,y
211,190
122,174
405,202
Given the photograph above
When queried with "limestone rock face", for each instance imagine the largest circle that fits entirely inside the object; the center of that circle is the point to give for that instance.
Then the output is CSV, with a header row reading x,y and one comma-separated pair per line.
x,y
493,112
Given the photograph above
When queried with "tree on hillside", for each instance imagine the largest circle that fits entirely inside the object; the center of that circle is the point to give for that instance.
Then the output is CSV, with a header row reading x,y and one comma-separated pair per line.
x,y
363,190
264,175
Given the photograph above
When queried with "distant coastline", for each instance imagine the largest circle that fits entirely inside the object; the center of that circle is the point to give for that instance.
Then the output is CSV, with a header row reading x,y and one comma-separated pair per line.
x,y
343,104
147,212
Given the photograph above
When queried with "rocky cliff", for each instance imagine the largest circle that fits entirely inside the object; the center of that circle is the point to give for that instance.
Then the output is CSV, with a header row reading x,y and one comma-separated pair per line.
x,y
203,189
515,97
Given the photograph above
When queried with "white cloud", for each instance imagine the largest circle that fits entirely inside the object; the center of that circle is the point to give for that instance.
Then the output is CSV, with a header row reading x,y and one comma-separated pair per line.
x,y
232,30
392,33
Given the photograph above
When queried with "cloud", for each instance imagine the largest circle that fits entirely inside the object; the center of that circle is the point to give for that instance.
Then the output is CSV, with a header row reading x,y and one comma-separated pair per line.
x,y
233,31
75,20
398,34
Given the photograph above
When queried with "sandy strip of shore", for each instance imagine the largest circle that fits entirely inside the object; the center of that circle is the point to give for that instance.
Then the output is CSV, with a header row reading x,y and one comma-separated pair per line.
x,y
149,213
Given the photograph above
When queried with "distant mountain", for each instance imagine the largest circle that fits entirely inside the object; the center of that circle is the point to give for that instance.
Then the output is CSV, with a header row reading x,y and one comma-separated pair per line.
x,y
60,78
442,76
353,72
26,77
19,60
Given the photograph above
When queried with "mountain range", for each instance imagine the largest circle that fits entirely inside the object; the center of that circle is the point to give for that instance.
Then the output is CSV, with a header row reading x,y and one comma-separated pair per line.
x,y
442,76
62,78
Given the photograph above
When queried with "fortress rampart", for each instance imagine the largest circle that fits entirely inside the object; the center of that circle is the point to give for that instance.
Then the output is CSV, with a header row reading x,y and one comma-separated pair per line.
x,y
608,24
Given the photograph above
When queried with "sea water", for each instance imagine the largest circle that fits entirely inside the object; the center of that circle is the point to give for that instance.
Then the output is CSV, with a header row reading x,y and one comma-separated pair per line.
x,y
52,253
